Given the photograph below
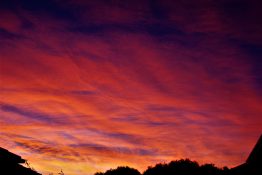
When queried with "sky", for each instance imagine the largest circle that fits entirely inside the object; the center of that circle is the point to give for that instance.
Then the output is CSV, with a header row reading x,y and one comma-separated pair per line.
x,y
90,85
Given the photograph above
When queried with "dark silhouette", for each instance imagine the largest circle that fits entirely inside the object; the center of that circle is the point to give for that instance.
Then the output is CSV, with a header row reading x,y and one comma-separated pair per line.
x,y
179,167
185,167
120,171
253,164
10,164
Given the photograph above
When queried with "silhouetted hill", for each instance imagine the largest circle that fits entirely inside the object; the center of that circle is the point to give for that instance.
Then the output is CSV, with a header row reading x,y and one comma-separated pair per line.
x,y
10,164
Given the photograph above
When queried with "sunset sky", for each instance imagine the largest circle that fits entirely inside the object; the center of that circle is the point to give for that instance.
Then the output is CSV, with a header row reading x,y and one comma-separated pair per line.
x,y
90,85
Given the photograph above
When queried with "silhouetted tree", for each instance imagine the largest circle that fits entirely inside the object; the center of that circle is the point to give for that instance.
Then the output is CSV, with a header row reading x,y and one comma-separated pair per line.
x,y
178,167
99,173
184,167
208,169
120,171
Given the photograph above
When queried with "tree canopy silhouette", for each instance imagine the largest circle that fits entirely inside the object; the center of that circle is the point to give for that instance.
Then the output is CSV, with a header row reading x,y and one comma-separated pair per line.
x,y
179,167
184,167
120,171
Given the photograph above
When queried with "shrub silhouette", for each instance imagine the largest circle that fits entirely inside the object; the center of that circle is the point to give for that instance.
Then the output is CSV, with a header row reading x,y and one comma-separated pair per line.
x,y
120,171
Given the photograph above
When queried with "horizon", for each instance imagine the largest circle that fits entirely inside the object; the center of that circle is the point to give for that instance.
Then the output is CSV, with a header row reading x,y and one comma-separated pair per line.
x,y
10,160
101,84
